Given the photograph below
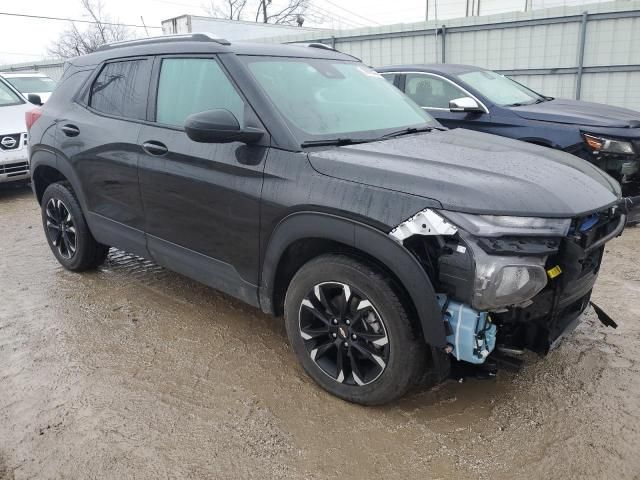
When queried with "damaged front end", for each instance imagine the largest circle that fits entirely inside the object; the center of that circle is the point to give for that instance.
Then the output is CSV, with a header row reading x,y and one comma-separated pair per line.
x,y
510,283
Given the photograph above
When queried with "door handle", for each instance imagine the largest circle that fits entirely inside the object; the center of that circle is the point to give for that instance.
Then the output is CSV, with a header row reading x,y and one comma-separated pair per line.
x,y
70,130
155,148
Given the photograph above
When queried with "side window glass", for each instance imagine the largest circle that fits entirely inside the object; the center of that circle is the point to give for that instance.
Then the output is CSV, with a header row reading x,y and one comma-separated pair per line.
x,y
431,92
192,85
390,77
121,89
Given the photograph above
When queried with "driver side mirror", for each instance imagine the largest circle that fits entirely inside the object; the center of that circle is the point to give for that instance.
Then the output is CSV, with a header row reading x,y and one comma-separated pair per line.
x,y
219,126
465,104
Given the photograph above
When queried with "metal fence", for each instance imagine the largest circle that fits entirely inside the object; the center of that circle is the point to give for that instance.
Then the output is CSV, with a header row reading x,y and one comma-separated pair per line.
x,y
52,68
590,52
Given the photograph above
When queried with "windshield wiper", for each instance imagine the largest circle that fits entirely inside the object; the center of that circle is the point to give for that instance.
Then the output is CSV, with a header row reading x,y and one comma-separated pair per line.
x,y
408,131
334,141
522,104
353,141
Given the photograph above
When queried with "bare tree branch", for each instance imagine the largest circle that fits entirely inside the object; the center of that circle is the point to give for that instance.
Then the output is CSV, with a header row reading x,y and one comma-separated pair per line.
x,y
230,9
73,41
288,12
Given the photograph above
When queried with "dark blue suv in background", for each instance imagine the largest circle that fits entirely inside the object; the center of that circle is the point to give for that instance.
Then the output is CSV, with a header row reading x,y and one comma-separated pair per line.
x,y
479,99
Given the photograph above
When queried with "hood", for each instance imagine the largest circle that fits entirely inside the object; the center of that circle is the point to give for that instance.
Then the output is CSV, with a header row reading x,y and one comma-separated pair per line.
x,y
576,112
475,172
12,118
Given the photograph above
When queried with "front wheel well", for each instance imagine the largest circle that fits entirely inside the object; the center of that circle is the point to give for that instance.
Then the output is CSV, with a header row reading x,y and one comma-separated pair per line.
x,y
303,250
43,176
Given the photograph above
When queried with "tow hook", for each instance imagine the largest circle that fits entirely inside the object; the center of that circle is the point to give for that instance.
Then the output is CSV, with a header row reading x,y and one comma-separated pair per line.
x,y
605,319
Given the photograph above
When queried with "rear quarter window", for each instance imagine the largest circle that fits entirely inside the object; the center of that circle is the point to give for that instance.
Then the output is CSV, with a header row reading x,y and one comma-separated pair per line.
x,y
121,89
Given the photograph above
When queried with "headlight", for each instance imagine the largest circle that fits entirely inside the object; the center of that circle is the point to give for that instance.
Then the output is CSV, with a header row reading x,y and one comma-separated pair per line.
x,y
608,145
506,281
499,225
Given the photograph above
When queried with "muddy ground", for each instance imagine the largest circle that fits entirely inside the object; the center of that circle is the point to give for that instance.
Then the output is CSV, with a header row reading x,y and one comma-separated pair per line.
x,y
135,372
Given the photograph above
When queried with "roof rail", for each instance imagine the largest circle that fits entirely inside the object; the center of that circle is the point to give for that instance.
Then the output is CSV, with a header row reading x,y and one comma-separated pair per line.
x,y
321,45
313,45
190,37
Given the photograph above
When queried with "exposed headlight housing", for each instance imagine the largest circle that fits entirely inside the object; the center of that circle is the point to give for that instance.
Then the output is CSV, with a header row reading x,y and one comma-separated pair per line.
x,y
506,280
499,281
501,225
608,145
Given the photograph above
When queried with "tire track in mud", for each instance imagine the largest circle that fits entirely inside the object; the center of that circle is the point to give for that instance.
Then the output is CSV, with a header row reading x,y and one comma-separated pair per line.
x,y
135,370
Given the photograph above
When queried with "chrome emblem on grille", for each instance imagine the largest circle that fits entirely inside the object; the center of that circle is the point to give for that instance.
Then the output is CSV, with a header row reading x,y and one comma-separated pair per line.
x,y
8,142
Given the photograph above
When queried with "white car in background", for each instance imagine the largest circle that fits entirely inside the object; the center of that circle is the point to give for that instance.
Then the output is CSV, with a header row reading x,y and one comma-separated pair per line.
x,y
31,83
14,159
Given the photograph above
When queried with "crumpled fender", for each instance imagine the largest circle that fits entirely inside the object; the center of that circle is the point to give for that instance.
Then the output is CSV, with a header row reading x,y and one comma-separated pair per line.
x,y
367,239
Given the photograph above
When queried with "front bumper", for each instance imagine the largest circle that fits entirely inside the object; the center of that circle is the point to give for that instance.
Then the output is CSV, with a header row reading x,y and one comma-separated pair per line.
x,y
557,309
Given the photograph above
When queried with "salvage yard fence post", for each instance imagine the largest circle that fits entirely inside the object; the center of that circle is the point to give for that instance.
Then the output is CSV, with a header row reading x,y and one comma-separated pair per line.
x,y
583,38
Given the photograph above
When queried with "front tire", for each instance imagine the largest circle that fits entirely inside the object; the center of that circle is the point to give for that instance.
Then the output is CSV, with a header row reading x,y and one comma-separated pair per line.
x,y
67,231
351,332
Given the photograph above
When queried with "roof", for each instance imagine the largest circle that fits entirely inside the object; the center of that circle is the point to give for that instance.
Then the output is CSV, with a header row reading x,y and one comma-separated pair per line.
x,y
446,68
206,43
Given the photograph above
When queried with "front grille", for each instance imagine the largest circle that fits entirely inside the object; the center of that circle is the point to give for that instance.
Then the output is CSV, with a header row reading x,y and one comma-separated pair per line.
x,y
10,142
14,169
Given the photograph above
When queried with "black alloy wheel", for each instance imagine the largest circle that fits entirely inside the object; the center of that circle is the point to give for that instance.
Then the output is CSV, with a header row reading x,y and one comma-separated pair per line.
x,y
344,334
67,232
349,328
61,228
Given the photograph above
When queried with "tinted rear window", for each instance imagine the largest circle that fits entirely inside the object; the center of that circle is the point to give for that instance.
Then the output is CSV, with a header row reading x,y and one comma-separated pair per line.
x,y
121,89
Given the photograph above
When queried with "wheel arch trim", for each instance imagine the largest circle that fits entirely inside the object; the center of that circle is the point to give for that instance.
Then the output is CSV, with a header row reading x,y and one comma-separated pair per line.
x,y
53,159
331,227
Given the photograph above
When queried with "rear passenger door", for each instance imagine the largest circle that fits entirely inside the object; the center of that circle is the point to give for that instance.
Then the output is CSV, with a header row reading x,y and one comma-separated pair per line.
x,y
201,200
98,136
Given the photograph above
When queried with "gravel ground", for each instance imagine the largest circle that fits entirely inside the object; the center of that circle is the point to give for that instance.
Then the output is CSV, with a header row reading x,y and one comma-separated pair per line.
x,y
136,372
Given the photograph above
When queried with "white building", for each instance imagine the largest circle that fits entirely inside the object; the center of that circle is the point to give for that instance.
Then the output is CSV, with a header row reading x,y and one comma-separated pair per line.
x,y
232,30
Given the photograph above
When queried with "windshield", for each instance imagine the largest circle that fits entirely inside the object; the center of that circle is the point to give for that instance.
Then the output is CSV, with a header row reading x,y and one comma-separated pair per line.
x,y
8,96
499,89
328,99
32,84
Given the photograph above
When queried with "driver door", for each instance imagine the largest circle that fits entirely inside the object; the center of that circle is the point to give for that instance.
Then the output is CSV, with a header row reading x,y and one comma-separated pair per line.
x,y
201,200
433,93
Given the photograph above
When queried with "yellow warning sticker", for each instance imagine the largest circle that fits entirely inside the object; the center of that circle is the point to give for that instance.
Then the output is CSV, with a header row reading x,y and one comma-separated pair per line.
x,y
554,272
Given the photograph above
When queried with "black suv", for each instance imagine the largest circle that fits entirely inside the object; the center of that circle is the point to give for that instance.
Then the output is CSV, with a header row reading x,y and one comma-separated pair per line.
x,y
300,181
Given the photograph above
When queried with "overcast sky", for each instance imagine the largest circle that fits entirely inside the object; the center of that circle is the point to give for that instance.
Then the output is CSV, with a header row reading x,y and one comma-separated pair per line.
x,y
25,39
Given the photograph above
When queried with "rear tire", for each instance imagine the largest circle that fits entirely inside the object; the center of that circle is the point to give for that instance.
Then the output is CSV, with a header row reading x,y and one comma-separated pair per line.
x,y
67,231
362,350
